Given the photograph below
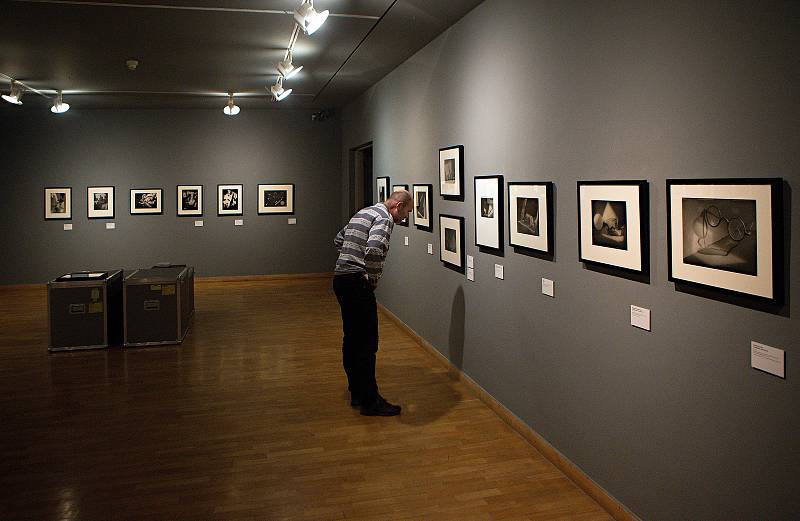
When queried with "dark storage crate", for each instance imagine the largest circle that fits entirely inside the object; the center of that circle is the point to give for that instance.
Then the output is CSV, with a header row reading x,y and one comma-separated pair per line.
x,y
158,305
85,310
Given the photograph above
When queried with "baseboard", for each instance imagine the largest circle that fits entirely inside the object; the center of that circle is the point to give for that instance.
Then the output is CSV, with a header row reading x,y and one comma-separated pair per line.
x,y
256,278
616,509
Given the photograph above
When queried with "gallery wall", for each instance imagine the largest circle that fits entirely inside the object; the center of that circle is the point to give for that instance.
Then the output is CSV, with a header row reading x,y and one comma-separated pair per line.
x,y
674,422
161,149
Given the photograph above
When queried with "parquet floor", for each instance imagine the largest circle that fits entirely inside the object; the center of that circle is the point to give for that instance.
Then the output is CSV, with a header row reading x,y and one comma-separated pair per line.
x,y
249,419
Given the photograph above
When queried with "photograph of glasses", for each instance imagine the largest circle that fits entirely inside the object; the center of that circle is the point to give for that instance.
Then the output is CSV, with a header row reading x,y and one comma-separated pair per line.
x,y
723,233
613,221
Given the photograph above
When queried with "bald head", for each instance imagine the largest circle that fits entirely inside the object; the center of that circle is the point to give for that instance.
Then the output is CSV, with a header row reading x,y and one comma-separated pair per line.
x,y
398,197
399,205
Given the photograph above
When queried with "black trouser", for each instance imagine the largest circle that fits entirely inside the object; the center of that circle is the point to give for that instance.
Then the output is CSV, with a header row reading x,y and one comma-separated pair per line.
x,y
360,326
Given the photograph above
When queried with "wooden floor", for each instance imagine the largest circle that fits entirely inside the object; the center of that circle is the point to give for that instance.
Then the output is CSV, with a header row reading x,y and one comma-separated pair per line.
x,y
249,419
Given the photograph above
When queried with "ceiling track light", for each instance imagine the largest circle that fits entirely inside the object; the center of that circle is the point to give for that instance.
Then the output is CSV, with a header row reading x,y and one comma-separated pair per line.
x,y
278,92
231,109
59,107
308,19
15,96
286,68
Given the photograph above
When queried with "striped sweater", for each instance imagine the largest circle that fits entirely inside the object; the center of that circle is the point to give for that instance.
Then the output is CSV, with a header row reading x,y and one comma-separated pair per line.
x,y
364,242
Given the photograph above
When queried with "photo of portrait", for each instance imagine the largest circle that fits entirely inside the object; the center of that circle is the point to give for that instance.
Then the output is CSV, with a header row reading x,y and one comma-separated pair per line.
x,y
609,220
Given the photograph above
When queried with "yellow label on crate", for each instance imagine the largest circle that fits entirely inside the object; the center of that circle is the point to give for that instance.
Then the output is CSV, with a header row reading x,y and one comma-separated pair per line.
x,y
96,307
169,289
155,287
95,294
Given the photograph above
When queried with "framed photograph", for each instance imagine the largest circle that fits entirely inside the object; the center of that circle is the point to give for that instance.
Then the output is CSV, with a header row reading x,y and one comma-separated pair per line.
x,y
530,216
451,237
146,201
58,203
381,189
489,211
613,219
451,172
397,188
276,199
100,202
726,234
423,207
229,200
190,200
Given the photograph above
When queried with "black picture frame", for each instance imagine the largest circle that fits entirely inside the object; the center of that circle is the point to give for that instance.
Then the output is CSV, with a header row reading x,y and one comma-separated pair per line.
x,y
489,211
111,201
50,211
263,209
425,225
451,172
156,210
613,224
727,234
454,260
179,210
240,204
395,188
529,233
382,182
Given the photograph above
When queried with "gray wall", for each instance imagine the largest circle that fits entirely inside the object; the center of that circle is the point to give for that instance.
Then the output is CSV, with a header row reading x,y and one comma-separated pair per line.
x,y
674,422
164,148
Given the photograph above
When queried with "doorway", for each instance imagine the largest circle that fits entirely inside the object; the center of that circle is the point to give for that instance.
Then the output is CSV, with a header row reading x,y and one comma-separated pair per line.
x,y
360,178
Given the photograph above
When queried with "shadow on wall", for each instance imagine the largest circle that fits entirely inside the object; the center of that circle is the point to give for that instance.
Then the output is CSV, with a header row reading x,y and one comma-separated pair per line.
x,y
455,341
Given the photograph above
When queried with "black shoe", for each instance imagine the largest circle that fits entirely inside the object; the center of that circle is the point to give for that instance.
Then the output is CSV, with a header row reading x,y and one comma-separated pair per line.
x,y
355,401
380,407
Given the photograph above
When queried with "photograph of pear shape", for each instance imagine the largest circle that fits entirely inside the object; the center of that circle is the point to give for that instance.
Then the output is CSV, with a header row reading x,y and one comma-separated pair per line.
x,y
613,221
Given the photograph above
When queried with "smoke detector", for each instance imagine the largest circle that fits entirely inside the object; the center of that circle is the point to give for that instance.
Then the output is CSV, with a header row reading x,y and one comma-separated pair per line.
x,y
132,64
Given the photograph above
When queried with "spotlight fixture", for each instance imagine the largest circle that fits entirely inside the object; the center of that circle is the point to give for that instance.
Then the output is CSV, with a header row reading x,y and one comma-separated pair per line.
x,y
59,107
286,68
308,18
278,92
15,96
231,109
